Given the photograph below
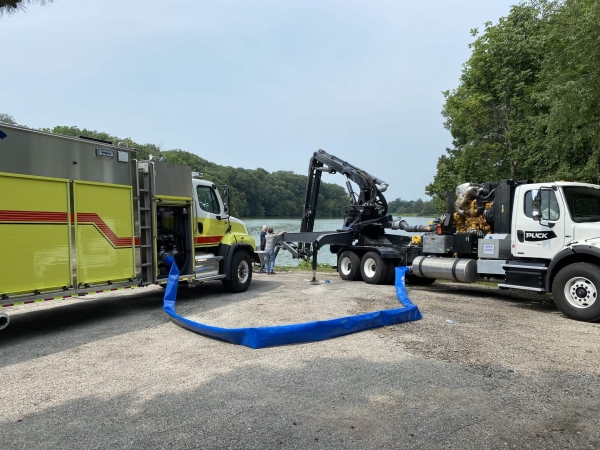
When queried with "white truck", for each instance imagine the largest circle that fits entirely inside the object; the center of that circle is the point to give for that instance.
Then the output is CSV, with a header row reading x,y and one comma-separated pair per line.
x,y
540,237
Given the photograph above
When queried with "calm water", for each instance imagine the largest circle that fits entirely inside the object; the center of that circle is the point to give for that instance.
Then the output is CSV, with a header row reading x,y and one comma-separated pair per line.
x,y
293,226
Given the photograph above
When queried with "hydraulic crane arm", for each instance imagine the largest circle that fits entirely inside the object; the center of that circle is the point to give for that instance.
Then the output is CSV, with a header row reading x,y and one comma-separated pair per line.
x,y
367,205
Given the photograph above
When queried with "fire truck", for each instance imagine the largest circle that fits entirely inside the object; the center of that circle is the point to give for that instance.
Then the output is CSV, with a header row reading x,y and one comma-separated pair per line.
x,y
81,216
537,237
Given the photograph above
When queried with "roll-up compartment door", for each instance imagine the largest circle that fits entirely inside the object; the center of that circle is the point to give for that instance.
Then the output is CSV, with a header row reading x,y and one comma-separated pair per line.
x,y
104,233
34,234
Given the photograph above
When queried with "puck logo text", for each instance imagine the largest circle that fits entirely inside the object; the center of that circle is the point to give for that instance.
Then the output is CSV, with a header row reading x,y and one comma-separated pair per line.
x,y
532,236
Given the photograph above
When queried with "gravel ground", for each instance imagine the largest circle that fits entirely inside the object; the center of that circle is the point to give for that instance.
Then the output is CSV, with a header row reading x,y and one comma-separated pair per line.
x,y
112,371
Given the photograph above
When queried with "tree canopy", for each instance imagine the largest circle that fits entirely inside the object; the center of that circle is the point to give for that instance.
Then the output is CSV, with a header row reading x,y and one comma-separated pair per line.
x,y
528,102
419,207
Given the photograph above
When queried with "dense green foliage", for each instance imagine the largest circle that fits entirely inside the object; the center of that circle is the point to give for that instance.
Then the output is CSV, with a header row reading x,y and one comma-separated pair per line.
x,y
254,193
418,207
528,102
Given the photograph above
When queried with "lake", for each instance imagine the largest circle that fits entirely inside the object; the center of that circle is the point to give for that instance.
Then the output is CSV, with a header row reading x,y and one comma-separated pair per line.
x,y
293,226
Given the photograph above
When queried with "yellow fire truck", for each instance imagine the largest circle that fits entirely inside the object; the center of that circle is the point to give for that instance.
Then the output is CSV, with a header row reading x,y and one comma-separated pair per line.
x,y
80,216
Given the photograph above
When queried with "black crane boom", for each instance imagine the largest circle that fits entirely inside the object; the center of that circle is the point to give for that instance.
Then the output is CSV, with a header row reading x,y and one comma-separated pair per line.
x,y
366,205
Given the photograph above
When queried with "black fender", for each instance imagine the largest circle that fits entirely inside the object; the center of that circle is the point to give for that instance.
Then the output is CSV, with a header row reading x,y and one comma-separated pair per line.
x,y
570,255
384,252
227,252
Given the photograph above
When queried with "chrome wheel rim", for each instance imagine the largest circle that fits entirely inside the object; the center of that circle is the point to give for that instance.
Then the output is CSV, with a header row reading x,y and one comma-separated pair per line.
x,y
243,272
580,292
370,267
345,265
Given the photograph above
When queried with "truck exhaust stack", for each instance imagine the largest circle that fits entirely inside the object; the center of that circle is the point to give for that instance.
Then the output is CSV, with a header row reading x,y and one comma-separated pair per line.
x,y
4,321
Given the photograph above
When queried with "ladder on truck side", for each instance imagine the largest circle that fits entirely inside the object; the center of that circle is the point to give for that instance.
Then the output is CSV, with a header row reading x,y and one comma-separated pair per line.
x,y
147,251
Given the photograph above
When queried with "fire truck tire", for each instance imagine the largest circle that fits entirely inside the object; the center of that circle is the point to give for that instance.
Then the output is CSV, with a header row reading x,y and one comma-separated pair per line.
x,y
373,268
241,273
576,291
349,266
419,281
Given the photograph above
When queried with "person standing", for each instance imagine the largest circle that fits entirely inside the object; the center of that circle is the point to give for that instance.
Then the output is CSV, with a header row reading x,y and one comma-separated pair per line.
x,y
263,233
271,240
263,242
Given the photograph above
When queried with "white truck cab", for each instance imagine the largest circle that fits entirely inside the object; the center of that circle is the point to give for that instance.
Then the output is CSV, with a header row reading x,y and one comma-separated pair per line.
x,y
556,237
539,237
549,216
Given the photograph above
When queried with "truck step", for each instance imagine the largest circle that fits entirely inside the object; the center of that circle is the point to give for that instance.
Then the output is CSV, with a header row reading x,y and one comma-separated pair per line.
x,y
144,190
524,267
524,288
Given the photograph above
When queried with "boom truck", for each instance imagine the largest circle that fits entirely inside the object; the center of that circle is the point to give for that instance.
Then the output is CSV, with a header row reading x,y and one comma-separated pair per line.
x,y
81,215
538,237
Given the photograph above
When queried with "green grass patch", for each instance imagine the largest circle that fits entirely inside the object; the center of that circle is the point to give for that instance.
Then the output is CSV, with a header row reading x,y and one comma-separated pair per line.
x,y
304,269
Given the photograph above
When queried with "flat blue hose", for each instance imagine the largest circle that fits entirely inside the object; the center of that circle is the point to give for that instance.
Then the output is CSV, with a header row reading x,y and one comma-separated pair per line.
x,y
261,337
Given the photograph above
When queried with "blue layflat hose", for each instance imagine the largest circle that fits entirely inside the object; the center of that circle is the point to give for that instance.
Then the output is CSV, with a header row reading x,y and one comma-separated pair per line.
x,y
261,337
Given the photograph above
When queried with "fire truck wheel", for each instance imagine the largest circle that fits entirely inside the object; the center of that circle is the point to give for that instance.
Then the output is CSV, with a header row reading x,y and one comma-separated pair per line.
x,y
373,268
349,266
241,273
419,281
576,289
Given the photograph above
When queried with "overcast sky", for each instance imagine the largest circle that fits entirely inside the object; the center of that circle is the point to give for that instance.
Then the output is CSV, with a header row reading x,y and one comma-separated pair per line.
x,y
250,83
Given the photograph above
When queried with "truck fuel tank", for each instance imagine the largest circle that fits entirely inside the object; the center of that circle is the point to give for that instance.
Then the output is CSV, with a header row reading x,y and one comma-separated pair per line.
x,y
457,269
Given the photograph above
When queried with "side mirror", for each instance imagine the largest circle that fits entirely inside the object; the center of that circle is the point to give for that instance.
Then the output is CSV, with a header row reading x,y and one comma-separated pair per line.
x,y
225,197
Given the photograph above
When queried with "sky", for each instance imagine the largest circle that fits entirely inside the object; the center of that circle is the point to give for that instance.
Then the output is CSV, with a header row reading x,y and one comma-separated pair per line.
x,y
250,83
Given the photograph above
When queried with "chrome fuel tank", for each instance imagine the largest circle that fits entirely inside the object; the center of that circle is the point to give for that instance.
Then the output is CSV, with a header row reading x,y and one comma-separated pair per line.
x,y
463,270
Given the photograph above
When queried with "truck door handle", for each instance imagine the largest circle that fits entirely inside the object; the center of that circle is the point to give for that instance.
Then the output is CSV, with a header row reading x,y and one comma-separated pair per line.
x,y
200,227
520,236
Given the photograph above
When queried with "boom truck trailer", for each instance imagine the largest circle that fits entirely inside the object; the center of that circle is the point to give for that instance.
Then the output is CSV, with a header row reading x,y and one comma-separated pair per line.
x,y
538,237
81,216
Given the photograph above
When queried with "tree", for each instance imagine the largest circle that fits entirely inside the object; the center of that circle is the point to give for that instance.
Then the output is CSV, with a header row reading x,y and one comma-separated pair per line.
x,y
412,208
570,148
9,7
7,119
490,113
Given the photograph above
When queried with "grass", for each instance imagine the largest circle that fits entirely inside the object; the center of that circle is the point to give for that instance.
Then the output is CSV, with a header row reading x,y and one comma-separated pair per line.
x,y
304,269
